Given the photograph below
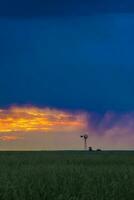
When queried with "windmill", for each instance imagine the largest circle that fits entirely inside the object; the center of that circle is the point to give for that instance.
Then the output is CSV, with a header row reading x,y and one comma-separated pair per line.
x,y
85,137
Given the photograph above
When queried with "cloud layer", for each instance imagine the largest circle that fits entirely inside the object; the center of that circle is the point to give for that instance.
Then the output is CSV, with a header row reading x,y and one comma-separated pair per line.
x,y
33,119
30,127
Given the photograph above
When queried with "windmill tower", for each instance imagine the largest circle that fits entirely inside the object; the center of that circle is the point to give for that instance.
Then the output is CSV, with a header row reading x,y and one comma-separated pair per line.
x,y
85,137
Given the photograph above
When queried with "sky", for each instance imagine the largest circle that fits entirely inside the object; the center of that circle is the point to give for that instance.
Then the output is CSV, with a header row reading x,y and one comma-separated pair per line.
x,y
66,68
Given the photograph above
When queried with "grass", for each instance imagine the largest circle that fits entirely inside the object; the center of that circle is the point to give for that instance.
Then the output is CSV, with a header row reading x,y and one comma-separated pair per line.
x,y
66,175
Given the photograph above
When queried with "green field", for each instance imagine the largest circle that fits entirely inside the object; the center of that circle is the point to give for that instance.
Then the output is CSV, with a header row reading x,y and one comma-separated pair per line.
x,y
66,175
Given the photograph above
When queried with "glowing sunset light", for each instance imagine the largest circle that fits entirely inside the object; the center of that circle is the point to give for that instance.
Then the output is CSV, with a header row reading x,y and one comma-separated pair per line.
x,y
26,119
8,138
29,127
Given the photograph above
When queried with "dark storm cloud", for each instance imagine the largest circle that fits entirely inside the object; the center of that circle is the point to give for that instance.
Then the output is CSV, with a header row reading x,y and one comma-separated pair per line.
x,y
31,8
73,62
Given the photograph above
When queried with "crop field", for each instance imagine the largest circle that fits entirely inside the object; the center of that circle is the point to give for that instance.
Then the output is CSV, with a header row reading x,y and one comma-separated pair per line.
x,y
66,175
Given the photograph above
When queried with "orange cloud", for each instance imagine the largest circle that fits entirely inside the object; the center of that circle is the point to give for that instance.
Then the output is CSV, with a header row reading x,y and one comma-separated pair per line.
x,y
30,119
7,138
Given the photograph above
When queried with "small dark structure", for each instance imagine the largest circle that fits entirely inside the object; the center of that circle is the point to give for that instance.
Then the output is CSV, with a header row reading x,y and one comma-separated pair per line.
x,y
90,149
98,150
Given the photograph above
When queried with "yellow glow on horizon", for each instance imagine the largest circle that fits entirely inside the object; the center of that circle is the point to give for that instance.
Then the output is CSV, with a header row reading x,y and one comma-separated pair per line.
x,y
30,119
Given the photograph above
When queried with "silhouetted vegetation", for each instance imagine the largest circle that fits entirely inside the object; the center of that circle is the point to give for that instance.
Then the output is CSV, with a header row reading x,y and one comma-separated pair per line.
x,y
90,149
98,150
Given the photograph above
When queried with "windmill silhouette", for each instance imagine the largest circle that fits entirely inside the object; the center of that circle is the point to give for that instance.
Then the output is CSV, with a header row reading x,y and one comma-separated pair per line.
x,y
85,137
